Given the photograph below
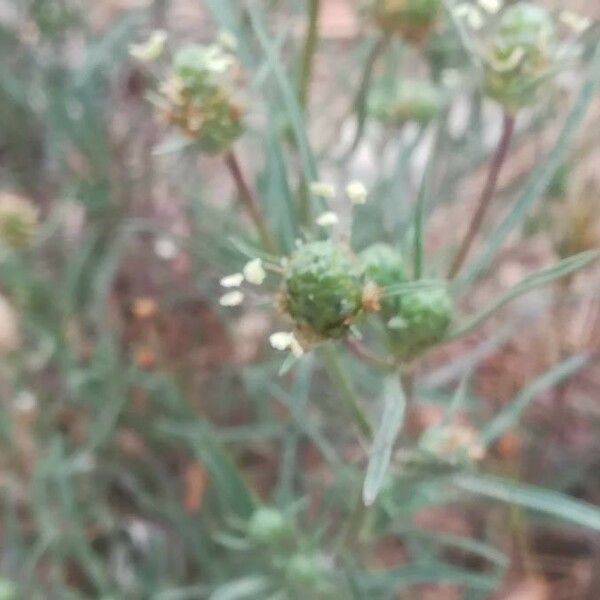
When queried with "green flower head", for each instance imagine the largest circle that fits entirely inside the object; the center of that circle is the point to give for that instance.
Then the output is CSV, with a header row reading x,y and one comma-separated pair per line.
x,y
199,99
412,20
521,57
18,221
267,525
417,101
421,321
322,290
384,266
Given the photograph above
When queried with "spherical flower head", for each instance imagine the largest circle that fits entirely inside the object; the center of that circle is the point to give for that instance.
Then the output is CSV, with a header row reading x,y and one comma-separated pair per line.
x,y
421,321
202,67
413,20
199,100
415,101
322,290
383,265
521,56
267,525
18,221
303,571
8,590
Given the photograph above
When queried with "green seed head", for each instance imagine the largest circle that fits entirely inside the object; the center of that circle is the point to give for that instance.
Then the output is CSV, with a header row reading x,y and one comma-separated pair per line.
x,y
267,525
303,571
521,56
418,101
322,290
18,221
199,99
383,265
410,19
421,321
8,590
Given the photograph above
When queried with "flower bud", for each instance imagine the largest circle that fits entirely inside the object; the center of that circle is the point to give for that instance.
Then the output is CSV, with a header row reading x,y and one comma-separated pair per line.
x,y
267,525
421,321
521,56
303,571
417,101
199,102
321,291
18,221
383,265
412,20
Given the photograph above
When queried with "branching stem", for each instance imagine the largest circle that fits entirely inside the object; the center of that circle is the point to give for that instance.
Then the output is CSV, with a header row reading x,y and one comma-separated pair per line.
x,y
486,195
308,54
249,201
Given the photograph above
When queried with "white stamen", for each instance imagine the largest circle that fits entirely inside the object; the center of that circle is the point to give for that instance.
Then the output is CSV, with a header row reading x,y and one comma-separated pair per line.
x,y
165,248
327,219
322,189
232,281
577,23
357,192
255,272
286,340
234,298
491,6
152,49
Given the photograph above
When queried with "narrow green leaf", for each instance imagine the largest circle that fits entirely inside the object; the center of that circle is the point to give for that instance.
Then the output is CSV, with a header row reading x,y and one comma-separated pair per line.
x,y
254,586
511,414
423,199
530,496
394,405
563,268
288,94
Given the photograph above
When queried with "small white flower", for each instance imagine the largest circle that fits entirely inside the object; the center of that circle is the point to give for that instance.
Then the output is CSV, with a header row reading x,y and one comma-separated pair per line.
x,y
470,14
327,219
232,281
295,348
227,40
451,78
577,23
151,49
165,248
281,340
234,298
491,6
286,340
254,272
322,189
217,61
357,192
25,402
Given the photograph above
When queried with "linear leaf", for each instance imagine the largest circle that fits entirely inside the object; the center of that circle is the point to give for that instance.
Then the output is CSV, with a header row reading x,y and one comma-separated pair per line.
x,y
288,94
563,268
530,496
513,411
394,405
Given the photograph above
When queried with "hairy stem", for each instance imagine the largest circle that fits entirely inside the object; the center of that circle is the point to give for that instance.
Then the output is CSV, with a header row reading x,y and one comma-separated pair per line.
x,y
249,201
347,392
486,195
308,53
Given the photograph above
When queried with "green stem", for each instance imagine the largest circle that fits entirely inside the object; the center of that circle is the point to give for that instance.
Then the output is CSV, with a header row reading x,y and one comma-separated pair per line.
x,y
347,392
486,195
249,202
308,54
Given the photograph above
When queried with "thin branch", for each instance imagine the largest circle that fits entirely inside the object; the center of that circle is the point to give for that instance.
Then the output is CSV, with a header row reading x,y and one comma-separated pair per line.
x,y
308,54
249,201
486,195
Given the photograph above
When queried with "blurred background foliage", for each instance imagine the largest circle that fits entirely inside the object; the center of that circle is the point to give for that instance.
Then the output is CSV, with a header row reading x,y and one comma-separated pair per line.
x,y
142,426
